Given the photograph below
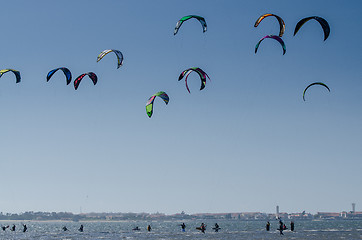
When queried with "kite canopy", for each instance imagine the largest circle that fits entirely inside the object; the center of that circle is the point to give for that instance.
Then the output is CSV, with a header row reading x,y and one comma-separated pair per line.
x,y
149,104
180,22
91,75
322,22
199,71
316,83
17,74
275,38
119,56
66,72
280,20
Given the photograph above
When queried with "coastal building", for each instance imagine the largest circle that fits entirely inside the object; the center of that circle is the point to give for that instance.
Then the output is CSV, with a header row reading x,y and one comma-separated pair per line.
x,y
302,215
328,215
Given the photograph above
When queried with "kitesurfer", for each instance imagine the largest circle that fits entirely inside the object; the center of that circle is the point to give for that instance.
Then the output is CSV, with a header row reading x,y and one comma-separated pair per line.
x,y
203,227
267,226
13,228
136,229
65,228
216,228
81,228
281,227
183,226
149,228
24,228
291,226
4,227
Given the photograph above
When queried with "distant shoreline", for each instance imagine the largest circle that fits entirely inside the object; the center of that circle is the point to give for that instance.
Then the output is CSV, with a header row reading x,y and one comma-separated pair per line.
x,y
122,217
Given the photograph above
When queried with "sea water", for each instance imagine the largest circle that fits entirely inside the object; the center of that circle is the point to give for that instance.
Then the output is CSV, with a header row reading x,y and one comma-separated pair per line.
x,y
230,229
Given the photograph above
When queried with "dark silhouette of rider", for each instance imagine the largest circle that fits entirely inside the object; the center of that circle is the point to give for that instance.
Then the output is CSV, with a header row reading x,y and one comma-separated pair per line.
x,y
267,226
281,227
203,227
291,226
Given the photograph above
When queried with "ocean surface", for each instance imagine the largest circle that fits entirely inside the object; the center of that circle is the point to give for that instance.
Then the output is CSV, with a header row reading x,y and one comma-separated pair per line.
x,y
230,229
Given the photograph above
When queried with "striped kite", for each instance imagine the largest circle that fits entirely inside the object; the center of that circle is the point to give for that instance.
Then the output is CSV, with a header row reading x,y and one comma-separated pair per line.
x,y
119,56
280,20
149,104
199,71
17,74
180,22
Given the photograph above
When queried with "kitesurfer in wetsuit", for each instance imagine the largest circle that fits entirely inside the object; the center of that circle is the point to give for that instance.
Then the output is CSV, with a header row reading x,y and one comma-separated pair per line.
x,y
24,228
136,229
13,228
81,228
183,226
291,226
149,228
267,226
65,228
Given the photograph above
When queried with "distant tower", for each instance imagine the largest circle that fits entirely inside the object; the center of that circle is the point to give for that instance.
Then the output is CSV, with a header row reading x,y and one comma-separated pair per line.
x,y
277,214
353,207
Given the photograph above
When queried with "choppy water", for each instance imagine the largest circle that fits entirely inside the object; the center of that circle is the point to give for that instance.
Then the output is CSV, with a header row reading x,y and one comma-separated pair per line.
x,y
230,229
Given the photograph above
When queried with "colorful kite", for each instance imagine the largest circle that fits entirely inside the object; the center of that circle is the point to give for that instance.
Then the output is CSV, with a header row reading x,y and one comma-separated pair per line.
x,y
280,20
119,56
180,22
199,71
17,73
272,37
91,75
149,104
66,72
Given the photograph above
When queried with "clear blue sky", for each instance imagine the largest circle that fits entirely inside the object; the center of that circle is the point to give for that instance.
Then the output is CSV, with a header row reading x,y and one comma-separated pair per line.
x,y
247,142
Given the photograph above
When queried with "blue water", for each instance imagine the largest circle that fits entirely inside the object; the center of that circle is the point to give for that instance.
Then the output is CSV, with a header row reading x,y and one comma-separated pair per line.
x,y
230,229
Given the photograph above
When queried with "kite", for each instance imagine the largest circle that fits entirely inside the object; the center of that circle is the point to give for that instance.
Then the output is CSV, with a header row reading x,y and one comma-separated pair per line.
x,y
322,22
316,83
199,71
149,104
66,72
17,73
91,75
273,37
201,20
119,56
280,20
